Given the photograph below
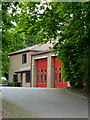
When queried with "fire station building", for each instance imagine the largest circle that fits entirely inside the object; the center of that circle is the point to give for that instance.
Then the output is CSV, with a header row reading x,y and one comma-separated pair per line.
x,y
36,66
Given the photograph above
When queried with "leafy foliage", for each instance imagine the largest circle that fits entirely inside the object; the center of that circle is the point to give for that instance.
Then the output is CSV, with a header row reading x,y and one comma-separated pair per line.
x,y
73,39
67,23
13,38
2,82
13,84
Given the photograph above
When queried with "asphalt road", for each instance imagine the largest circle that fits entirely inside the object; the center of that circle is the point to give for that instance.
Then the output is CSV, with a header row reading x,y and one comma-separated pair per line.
x,y
47,102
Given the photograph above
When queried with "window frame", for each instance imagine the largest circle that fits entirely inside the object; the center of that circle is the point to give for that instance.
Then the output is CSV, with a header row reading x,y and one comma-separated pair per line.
x,y
24,58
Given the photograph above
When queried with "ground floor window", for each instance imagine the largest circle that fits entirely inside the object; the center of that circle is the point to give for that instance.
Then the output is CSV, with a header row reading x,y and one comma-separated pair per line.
x,y
15,78
45,78
41,76
28,77
59,77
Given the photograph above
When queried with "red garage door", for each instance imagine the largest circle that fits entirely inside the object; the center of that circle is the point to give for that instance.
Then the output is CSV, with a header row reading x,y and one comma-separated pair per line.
x,y
41,67
58,81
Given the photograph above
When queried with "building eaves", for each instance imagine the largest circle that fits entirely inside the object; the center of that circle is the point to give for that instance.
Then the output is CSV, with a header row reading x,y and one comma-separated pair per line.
x,y
24,51
35,48
23,70
42,52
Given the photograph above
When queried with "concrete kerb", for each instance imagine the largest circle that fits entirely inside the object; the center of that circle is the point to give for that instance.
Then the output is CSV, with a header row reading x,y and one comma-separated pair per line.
x,y
73,93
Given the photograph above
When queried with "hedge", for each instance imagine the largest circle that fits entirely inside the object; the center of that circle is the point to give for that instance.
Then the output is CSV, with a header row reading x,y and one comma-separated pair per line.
x,y
14,84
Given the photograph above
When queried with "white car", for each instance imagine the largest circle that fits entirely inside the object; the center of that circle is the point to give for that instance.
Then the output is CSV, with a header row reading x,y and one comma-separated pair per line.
x,y
3,78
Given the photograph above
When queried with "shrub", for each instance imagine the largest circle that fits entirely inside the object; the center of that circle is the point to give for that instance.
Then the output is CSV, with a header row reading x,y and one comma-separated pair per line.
x,y
2,82
11,83
14,84
17,84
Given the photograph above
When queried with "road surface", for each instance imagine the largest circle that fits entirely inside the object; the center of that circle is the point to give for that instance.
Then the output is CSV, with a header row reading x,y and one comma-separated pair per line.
x,y
47,102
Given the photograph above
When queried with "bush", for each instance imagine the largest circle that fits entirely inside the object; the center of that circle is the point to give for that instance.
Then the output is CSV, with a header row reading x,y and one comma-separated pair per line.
x,y
2,82
11,83
17,84
14,84
72,83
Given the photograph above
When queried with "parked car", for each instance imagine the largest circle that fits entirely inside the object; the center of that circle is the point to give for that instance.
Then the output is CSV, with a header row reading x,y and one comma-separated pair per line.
x,y
3,78
3,81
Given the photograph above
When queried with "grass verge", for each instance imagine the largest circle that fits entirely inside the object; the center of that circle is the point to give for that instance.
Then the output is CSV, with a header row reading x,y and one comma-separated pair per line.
x,y
13,111
78,91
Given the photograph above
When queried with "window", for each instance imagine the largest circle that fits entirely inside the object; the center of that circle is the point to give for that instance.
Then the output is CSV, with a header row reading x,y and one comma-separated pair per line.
x,y
41,70
60,68
41,78
45,78
27,77
15,78
45,70
24,58
59,77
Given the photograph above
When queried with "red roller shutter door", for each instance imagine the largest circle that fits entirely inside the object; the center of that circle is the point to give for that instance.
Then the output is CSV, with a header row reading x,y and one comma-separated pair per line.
x,y
41,72
58,81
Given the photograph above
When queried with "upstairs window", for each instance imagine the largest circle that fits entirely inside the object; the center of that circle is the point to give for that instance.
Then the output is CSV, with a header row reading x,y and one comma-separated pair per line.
x,y
24,58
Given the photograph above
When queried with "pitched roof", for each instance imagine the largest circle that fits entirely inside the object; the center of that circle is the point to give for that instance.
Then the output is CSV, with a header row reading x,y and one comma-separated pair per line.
x,y
42,52
35,48
23,50
43,47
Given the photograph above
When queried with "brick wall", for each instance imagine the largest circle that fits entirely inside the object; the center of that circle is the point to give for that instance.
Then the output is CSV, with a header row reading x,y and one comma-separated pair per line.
x,y
16,64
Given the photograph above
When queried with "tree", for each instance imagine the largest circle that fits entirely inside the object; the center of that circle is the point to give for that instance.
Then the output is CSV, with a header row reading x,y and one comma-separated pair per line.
x,y
12,38
68,23
17,19
73,39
